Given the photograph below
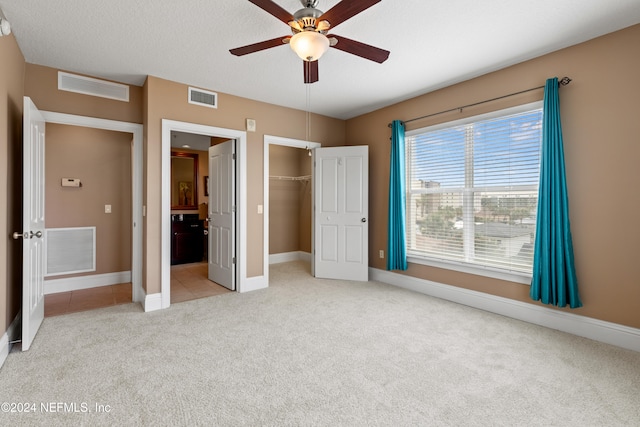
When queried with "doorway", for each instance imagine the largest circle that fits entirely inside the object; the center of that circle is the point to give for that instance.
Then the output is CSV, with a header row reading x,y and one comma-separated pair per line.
x,y
195,187
296,181
169,126
136,182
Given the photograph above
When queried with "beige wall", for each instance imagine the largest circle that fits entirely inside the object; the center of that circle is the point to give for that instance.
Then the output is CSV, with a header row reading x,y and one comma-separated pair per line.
x,y
41,84
599,115
101,159
306,202
168,100
12,67
599,111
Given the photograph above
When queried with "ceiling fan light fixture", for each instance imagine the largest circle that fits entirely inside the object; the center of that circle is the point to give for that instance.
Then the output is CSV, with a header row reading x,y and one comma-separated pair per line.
x,y
309,45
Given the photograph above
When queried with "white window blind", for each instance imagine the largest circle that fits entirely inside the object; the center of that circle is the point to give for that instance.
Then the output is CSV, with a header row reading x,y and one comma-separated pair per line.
x,y
472,189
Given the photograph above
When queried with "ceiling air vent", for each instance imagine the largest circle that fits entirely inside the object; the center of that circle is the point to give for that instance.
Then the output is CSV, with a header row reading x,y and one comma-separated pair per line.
x,y
94,87
203,97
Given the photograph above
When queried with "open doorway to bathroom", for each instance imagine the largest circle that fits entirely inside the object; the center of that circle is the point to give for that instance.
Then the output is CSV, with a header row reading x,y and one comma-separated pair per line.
x,y
189,217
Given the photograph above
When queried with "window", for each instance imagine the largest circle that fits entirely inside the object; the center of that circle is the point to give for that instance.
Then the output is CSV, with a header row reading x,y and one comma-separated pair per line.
x,y
472,191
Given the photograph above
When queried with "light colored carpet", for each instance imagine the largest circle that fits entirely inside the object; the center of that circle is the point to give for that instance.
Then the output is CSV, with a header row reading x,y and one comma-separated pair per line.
x,y
317,352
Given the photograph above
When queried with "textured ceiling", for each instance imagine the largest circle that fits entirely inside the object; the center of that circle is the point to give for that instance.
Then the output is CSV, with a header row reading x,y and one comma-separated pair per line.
x,y
433,44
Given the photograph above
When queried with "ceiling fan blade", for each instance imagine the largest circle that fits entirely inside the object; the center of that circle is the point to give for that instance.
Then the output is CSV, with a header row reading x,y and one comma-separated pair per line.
x,y
239,51
360,49
310,71
345,10
275,10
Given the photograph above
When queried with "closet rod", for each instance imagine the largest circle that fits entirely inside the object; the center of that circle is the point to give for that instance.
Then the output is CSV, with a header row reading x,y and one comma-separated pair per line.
x,y
563,82
291,178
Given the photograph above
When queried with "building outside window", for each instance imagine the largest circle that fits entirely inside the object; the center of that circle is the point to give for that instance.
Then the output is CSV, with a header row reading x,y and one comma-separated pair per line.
x,y
472,191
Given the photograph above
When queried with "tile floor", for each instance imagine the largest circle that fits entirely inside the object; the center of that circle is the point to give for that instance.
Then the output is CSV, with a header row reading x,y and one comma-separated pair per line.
x,y
188,282
86,299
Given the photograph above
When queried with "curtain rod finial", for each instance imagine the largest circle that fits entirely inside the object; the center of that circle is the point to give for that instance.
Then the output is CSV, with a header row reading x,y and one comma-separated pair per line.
x,y
565,81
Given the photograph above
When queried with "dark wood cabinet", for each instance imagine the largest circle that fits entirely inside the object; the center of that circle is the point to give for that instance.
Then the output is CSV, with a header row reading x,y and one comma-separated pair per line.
x,y
186,241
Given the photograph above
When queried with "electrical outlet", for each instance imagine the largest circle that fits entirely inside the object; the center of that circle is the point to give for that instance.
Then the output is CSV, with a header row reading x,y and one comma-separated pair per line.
x,y
107,208
381,253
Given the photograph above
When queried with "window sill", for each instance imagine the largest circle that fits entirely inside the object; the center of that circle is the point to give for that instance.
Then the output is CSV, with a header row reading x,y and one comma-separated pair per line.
x,y
522,278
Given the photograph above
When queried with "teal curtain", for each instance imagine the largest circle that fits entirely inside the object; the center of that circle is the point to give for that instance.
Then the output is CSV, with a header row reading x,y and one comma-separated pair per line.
x,y
554,276
396,248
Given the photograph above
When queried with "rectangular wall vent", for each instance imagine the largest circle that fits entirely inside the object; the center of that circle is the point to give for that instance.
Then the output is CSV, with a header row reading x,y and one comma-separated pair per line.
x,y
203,97
94,87
70,250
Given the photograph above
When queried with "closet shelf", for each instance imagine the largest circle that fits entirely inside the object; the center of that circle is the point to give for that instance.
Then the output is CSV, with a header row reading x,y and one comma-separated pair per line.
x,y
291,178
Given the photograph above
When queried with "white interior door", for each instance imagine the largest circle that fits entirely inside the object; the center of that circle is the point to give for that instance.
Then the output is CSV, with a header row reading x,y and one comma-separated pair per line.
x,y
341,213
32,223
222,216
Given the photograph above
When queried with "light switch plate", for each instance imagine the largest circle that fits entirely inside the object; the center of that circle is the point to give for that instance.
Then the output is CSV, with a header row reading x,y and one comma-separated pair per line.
x,y
107,208
251,125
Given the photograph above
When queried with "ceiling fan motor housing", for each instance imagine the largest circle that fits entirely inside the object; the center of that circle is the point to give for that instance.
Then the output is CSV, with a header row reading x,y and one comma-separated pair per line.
x,y
309,3
307,17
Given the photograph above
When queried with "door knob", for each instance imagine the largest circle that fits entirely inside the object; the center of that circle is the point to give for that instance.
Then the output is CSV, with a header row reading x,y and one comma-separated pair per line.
x,y
38,234
364,220
17,235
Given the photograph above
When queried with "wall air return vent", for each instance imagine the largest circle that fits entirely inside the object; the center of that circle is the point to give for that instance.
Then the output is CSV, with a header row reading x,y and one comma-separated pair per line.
x,y
70,250
94,87
203,97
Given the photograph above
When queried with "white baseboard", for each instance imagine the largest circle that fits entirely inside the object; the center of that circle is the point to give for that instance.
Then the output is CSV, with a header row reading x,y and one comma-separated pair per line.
x,y
151,302
85,282
254,284
304,256
289,256
599,330
12,334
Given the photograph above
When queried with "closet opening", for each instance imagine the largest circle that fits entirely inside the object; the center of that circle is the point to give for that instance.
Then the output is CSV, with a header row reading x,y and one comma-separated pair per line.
x,y
288,201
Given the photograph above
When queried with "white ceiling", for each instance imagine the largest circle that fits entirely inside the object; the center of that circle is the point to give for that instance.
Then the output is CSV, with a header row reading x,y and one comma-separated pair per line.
x,y
190,140
433,44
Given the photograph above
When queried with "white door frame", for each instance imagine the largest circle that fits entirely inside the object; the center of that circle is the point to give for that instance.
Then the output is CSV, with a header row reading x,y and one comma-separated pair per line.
x,y
136,184
288,142
241,201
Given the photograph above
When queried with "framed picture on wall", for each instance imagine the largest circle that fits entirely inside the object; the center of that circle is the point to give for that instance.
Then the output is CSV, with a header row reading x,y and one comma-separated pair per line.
x,y
186,192
206,186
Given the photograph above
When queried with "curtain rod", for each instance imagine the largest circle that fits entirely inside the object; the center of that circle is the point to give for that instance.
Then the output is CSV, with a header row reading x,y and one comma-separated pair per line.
x,y
563,82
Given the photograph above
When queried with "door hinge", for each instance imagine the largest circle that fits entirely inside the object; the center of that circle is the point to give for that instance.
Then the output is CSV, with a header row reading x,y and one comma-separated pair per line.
x,y
233,156
234,260
233,209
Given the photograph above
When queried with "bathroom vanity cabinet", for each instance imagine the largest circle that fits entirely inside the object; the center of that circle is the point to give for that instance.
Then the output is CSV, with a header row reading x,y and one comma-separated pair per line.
x,y
187,235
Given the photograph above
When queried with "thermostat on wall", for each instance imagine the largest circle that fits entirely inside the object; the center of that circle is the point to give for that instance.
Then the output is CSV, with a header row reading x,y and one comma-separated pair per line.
x,y
71,182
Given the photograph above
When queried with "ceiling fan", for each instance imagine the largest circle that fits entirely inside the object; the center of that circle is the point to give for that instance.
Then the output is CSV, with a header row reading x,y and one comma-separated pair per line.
x,y
310,39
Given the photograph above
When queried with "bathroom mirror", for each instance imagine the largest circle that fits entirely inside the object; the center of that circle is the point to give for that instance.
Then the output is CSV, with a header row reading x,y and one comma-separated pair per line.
x,y
184,181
